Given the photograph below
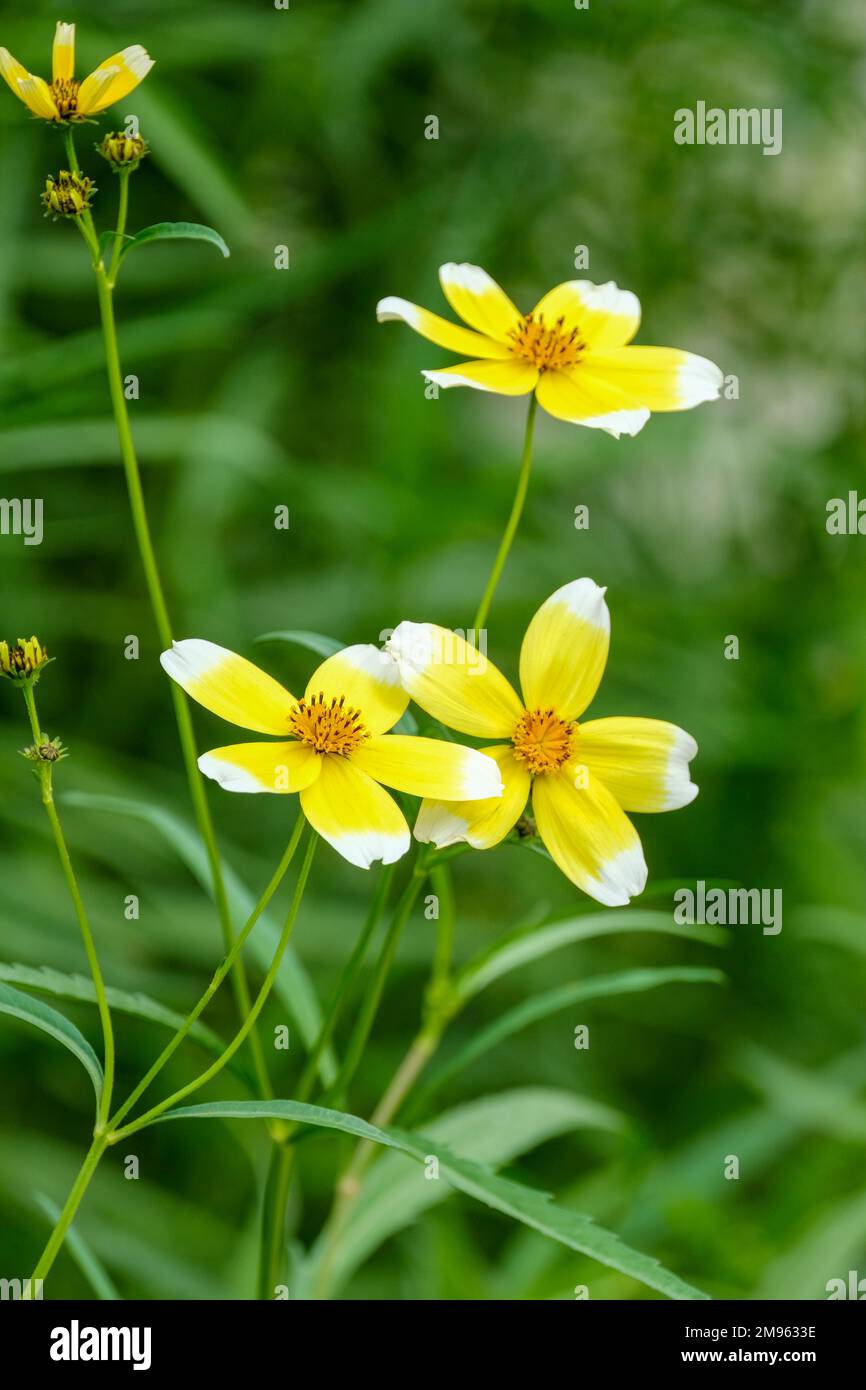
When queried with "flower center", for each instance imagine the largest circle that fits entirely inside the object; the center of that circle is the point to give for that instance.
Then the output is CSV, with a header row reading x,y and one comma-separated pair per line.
x,y
65,94
542,741
329,726
547,347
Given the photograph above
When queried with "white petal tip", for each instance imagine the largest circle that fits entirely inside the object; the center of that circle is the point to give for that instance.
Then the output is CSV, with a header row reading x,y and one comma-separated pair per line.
x,y
363,848
230,777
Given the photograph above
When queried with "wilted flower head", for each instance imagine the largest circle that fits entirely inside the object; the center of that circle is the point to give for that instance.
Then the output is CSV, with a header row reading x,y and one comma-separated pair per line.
x,y
123,151
69,195
23,661
64,99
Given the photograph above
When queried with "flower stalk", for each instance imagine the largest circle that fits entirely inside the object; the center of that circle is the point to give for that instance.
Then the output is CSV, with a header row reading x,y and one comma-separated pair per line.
x,y
513,522
105,281
45,768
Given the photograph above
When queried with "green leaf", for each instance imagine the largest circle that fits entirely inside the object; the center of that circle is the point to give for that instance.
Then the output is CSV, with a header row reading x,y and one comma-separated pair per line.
x,y
314,641
494,1130
552,1001
49,981
175,231
19,1005
532,1208
292,984
90,1265
525,945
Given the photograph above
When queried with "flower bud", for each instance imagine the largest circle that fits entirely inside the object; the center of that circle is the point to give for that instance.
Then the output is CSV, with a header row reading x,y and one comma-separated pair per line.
x,y
69,195
123,151
24,661
48,750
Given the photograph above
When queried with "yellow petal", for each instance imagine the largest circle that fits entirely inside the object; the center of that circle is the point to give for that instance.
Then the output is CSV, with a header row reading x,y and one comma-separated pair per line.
x,y
63,57
604,315
429,767
368,680
479,300
454,681
33,91
229,685
354,814
511,378
262,767
481,824
582,398
438,330
643,762
589,836
654,378
114,79
564,651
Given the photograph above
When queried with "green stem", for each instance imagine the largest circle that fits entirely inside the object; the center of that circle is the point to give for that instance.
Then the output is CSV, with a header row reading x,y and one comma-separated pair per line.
x,y
64,1221
373,993
349,1184
226,1055
158,604
439,1006
440,880
120,229
513,521
273,1229
345,984
218,977
46,779
273,1234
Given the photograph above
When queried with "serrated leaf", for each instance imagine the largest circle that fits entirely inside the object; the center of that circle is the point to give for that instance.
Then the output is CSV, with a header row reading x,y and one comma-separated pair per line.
x,y
63,986
524,1204
19,1005
493,1130
524,946
292,984
176,231
541,1006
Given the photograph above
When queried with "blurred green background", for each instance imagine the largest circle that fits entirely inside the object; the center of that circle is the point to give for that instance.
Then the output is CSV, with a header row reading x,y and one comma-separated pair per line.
x,y
261,387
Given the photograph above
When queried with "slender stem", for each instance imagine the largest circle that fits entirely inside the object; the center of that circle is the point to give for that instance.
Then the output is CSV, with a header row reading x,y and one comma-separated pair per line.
x,y
218,977
261,998
513,521
277,1186
440,880
46,779
85,221
345,984
373,993
273,1235
349,1184
64,1221
158,604
120,229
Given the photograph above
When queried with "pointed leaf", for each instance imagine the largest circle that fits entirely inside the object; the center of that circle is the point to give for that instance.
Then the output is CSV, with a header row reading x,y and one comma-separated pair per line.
x,y
176,231
524,1204
48,1020
525,945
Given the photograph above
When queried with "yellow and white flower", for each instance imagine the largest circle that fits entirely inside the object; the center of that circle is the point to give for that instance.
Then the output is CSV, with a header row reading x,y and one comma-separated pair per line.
x,y
572,350
333,744
582,777
63,99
